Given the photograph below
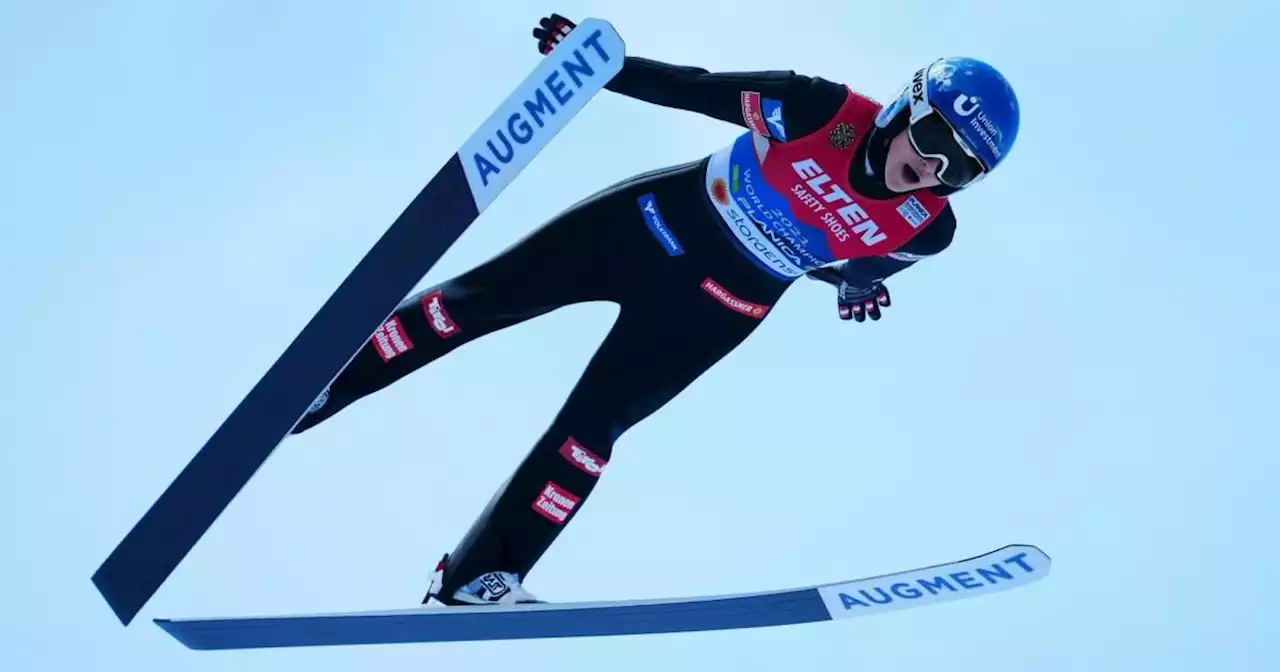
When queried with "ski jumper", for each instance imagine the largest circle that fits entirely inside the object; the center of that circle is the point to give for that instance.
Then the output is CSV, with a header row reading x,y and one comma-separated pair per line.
x,y
695,255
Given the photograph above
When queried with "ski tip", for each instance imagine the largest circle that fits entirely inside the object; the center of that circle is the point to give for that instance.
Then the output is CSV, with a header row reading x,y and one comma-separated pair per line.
x,y
604,24
1038,557
1027,548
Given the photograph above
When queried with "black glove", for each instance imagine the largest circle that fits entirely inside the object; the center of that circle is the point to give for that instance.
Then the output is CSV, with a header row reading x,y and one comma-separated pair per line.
x,y
857,303
551,31
854,303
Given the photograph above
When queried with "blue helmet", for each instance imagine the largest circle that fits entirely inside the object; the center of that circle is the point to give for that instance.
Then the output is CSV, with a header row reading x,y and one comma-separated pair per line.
x,y
962,112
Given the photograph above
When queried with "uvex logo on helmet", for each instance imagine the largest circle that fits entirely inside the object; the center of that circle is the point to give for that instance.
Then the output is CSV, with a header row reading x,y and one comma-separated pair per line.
x,y
917,87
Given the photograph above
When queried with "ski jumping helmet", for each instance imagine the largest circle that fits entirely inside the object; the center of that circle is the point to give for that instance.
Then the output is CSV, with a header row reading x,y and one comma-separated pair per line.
x,y
963,112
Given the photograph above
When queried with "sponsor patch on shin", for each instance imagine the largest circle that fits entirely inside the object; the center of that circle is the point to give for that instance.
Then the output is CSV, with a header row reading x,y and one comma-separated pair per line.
x,y
555,503
438,316
579,456
390,341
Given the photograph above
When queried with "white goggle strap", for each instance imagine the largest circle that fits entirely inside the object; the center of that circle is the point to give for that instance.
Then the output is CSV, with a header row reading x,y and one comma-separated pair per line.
x,y
918,95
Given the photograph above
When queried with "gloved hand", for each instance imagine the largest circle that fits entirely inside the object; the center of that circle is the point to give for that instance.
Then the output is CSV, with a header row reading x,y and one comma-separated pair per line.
x,y
854,303
551,31
857,303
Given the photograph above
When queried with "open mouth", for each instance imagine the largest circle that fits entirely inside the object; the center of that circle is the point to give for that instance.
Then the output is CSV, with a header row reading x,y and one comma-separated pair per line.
x,y
909,174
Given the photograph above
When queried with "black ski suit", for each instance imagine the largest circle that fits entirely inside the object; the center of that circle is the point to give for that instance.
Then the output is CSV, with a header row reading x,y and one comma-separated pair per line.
x,y
653,245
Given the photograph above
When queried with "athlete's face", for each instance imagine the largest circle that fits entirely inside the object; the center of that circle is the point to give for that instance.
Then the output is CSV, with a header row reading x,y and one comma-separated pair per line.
x,y
905,170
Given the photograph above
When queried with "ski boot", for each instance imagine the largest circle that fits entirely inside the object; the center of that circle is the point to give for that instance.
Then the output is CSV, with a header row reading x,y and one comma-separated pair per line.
x,y
502,588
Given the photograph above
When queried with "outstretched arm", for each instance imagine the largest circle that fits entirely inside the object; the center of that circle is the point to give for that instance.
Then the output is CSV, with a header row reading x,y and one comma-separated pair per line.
x,y
810,102
733,97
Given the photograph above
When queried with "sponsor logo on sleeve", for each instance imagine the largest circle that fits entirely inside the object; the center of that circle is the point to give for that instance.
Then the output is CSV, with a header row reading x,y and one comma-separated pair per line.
x,y
752,113
773,117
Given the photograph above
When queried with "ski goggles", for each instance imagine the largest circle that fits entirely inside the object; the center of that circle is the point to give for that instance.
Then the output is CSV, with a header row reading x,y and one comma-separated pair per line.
x,y
933,137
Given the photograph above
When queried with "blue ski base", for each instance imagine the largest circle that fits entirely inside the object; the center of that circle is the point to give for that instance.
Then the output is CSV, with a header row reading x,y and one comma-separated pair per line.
x,y
459,624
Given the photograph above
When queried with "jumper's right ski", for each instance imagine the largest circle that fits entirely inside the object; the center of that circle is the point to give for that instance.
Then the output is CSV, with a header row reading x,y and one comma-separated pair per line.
x,y
1003,569
454,197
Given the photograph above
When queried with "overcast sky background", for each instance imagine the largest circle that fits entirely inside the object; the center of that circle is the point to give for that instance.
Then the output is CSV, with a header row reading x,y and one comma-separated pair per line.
x,y
1090,368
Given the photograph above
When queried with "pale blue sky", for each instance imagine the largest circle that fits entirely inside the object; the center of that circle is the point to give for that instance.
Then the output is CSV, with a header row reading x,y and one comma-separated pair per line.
x,y
1090,368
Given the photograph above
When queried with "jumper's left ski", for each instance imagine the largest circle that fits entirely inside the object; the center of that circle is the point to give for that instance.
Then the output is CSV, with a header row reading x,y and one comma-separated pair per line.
x,y
467,183
1003,569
